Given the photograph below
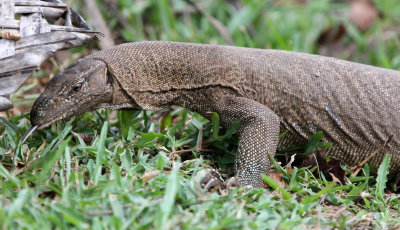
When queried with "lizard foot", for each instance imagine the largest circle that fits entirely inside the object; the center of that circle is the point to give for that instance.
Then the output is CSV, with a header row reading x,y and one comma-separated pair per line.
x,y
212,181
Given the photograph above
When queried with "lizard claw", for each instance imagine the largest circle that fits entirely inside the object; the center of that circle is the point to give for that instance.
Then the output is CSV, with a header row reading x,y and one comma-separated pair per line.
x,y
214,184
232,183
212,181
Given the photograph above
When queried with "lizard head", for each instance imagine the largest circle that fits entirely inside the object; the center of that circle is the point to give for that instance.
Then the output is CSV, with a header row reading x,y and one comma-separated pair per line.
x,y
83,86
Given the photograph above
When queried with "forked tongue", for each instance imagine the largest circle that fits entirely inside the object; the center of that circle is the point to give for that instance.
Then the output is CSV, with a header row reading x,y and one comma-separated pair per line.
x,y
28,133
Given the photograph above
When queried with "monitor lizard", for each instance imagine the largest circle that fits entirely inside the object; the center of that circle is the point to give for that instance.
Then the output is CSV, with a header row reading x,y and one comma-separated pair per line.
x,y
268,91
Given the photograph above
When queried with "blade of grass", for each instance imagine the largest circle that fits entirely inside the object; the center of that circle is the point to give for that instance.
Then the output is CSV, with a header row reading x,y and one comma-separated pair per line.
x,y
382,179
276,186
310,199
50,159
166,206
100,151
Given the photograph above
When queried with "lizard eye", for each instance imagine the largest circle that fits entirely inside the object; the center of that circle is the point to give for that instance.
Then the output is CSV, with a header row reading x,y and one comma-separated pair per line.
x,y
77,87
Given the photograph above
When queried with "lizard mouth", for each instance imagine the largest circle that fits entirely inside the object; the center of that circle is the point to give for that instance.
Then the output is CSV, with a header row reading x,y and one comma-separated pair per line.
x,y
46,125
38,127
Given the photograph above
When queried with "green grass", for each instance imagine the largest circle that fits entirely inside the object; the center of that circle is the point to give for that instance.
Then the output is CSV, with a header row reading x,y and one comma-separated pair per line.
x,y
68,183
140,170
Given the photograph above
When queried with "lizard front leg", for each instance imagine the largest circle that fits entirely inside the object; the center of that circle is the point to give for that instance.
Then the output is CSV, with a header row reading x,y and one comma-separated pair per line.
x,y
258,135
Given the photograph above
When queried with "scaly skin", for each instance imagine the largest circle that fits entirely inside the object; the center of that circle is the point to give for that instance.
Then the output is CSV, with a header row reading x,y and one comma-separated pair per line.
x,y
268,91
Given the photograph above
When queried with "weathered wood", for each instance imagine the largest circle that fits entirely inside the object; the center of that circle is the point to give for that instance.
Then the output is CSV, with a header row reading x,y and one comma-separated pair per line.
x,y
67,44
9,85
29,41
71,29
40,3
45,39
7,13
6,48
7,9
50,12
5,103
8,23
33,24
78,21
68,21
23,61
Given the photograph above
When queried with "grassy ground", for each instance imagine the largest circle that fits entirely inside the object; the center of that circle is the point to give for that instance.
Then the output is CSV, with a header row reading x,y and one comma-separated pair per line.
x,y
139,170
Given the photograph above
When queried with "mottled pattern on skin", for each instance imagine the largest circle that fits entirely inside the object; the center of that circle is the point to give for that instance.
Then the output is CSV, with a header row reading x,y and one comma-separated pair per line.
x,y
61,100
356,106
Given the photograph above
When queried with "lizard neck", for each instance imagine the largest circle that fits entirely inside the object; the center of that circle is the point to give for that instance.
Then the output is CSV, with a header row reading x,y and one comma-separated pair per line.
x,y
119,99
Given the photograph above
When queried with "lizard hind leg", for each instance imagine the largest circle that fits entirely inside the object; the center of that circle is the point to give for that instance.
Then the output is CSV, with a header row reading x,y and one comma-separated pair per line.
x,y
258,136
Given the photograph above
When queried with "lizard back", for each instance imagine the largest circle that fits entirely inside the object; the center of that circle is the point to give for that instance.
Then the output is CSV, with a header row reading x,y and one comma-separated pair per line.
x,y
356,106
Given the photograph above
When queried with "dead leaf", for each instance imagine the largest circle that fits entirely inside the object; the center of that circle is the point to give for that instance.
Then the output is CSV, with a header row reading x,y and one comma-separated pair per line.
x,y
396,182
148,175
327,168
332,34
288,166
275,176
331,45
363,13
86,138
